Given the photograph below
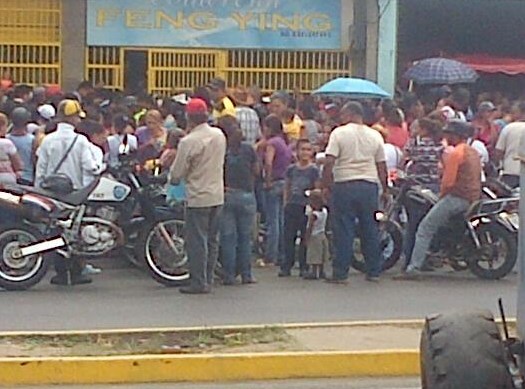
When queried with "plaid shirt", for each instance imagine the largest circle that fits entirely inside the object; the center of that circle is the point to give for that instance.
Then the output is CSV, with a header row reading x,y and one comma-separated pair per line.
x,y
249,123
425,157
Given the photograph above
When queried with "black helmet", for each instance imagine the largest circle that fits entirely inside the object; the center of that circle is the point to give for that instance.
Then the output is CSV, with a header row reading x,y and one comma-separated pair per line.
x,y
459,128
20,116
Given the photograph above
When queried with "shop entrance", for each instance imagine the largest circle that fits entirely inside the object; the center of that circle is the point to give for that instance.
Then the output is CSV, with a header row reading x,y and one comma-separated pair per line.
x,y
136,72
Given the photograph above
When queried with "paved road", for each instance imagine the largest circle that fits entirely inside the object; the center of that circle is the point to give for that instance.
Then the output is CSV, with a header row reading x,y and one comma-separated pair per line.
x,y
402,383
125,298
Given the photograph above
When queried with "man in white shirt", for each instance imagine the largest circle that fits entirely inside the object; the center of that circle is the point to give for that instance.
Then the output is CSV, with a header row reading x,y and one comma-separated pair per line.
x,y
508,146
79,163
354,166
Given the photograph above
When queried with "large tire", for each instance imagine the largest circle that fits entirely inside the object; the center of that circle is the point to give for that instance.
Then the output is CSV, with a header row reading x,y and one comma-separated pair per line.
x,y
499,246
463,351
20,273
165,266
391,240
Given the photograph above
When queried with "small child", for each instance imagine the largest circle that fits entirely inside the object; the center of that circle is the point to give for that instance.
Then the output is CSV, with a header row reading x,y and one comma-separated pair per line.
x,y
317,250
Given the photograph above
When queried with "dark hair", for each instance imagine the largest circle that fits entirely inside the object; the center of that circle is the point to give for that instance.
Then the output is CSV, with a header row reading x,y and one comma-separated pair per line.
x,y
202,93
520,106
307,108
408,100
85,85
273,122
354,108
89,128
432,126
302,141
228,124
121,121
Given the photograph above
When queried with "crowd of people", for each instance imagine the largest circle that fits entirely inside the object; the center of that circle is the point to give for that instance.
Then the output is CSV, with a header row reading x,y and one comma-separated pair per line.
x,y
292,164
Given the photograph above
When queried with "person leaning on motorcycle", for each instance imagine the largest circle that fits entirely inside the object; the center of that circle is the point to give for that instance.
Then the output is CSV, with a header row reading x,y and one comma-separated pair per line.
x,y
460,187
78,165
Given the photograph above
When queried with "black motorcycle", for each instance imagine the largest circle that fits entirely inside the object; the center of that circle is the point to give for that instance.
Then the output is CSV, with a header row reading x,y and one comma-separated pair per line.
x,y
111,215
484,240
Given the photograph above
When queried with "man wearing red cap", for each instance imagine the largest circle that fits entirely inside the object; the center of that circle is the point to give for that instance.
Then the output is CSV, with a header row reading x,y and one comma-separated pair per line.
x,y
200,164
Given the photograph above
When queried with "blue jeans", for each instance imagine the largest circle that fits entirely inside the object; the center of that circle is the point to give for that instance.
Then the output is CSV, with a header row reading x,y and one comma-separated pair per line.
x,y
237,220
438,217
274,222
355,200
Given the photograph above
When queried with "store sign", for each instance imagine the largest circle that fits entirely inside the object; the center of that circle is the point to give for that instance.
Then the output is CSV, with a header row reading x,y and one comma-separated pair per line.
x,y
269,24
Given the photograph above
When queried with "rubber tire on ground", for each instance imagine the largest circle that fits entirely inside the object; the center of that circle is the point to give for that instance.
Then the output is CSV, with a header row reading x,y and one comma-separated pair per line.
x,y
397,236
140,252
511,240
41,272
463,351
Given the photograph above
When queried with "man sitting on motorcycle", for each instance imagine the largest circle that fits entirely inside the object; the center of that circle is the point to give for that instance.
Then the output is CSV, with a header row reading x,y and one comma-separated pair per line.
x,y
460,187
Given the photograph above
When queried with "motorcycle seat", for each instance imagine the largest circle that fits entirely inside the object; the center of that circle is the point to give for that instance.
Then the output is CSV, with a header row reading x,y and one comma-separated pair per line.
x,y
74,198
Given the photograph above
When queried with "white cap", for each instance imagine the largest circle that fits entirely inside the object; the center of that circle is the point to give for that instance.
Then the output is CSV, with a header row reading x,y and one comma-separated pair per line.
x,y
32,128
47,111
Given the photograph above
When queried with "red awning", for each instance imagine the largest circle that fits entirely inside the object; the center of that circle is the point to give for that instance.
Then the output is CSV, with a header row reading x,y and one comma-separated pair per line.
x,y
487,64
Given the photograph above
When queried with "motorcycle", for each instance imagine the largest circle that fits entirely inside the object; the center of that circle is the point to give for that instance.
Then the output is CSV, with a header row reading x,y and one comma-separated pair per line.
x,y
484,240
106,216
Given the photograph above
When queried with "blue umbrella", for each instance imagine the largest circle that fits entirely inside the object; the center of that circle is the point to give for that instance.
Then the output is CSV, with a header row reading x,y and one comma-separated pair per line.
x,y
355,88
441,71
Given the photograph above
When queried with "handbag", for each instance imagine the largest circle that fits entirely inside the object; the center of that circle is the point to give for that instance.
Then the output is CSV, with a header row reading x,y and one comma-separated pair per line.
x,y
59,182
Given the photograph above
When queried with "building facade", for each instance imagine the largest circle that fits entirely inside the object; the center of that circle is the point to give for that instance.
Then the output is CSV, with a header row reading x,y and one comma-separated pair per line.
x,y
166,45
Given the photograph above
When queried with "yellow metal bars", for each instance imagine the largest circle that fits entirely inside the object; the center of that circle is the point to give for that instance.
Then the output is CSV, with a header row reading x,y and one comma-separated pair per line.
x,y
181,69
30,40
288,70
105,65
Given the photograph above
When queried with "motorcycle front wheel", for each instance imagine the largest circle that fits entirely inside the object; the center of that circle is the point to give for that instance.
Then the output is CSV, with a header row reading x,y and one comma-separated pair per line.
x,y
391,243
498,252
20,273
162,249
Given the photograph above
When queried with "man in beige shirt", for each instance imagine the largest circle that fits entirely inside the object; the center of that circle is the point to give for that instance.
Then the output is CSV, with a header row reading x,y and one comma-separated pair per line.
x,y
200,164
355,166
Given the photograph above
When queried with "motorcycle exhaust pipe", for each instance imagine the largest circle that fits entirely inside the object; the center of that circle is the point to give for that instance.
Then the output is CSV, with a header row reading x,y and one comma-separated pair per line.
x,y
38,248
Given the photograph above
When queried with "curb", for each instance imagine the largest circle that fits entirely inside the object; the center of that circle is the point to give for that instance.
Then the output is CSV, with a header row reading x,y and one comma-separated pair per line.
x,y
206,368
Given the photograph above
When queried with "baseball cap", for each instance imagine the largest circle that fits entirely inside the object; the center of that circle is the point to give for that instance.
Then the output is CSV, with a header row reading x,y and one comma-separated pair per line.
x,y
71,108
196,106
217,83
47,111
486,106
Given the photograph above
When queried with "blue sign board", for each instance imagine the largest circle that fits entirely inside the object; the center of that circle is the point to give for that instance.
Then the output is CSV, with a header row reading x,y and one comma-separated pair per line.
x,y
268,24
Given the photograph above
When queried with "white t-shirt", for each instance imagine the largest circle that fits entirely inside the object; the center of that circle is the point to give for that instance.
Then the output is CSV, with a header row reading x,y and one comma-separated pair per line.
x,y
114,143
357,149
321,216
509,143
393,155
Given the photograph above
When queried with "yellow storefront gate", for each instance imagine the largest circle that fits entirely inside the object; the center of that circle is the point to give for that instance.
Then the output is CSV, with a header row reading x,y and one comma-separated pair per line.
x,y
174,70
30,40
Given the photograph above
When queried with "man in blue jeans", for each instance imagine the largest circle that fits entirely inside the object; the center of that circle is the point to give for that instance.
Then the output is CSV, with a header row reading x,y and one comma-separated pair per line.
x,y
355,165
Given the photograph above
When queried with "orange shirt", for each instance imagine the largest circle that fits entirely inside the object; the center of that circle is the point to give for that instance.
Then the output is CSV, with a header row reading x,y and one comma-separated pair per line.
x,y
462,173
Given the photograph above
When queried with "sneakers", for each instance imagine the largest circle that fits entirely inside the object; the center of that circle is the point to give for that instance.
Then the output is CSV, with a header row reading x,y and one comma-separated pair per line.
x,y
89,269
337,280
285,273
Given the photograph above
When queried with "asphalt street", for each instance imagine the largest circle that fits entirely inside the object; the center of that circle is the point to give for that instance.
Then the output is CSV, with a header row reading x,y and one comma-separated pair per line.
x,y
128,298
398,383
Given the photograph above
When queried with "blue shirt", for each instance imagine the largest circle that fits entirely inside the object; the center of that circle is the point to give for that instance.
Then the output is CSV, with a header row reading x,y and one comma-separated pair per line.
x,y
24,147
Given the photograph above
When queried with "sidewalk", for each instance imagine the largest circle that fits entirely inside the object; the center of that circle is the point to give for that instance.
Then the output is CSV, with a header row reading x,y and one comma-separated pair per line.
x,y
220,354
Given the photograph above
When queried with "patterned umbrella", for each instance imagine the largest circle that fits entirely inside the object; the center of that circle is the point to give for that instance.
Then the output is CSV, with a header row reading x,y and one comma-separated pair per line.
x,y
354,88
441,71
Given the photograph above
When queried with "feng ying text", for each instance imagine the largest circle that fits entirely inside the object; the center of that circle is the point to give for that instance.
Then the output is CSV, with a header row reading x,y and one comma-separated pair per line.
x,y
155,19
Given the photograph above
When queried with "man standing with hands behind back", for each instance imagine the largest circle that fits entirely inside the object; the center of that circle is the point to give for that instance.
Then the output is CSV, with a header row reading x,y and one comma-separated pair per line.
x,y
200,164
355,165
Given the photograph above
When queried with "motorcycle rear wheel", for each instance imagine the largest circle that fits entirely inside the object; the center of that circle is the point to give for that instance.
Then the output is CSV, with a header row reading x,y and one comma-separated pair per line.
x,y
391,241
167,263
501,246
20,273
